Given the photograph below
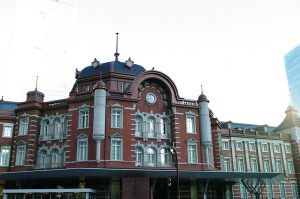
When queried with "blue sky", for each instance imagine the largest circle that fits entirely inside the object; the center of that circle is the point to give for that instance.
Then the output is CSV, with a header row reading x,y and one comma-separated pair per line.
x,y
233,48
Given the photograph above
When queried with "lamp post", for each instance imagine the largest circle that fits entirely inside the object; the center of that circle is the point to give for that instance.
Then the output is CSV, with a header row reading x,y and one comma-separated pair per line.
x,y
173,151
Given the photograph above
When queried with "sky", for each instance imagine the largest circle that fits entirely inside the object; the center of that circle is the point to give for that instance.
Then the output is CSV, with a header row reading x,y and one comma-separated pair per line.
x,y
234,48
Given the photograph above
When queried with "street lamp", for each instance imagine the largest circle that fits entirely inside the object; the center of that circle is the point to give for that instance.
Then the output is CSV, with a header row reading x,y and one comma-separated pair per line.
x,y
173,151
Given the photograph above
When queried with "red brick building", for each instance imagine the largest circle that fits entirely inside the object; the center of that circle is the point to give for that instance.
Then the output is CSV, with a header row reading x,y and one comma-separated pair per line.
x,y
124,132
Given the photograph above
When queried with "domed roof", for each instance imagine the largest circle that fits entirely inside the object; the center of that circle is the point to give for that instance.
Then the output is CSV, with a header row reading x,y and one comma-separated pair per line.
x,y
114,66
100,85
202,98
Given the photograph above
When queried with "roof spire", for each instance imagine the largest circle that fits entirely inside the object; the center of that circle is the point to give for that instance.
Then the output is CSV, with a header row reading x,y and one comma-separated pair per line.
x,y
201,90
117,54
36,82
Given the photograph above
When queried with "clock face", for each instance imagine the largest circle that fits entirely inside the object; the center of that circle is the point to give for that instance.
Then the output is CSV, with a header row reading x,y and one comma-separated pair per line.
x,y
151,98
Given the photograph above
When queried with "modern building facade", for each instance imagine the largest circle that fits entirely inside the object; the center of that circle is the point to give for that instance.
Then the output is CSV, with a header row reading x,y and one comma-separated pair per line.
x,y
124,132
292,66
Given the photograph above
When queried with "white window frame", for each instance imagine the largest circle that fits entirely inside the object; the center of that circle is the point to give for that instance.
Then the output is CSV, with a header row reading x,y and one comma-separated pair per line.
x,y
226,164
116,118
151,127
294,190
163,126
151,157
138,125
84,117
282,192
225,145
288,148
82,150
267,168
254,165
43,159
239,145
277,148
20,155
252,146
139,156
4,156
290,166
269,189
6,134
57,128
165,157
23,126
192,150
241,167
116,151
190,122
264,147
278,164
243,192
54,158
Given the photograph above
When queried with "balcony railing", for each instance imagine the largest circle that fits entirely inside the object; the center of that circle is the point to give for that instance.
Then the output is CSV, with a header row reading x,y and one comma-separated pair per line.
x,y
56,136
49,165
147,135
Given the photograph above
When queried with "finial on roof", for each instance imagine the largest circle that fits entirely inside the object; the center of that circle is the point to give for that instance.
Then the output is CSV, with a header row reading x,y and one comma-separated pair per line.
x,y
36,82
117,54
2,99
201,89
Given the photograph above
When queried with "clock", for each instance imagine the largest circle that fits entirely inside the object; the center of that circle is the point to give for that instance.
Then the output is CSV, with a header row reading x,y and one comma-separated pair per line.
x,y
151,98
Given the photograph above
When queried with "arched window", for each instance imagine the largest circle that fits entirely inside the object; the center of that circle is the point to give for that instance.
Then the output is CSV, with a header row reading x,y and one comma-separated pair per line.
x,y
151,157
43,158
54,158
57,128
163,126
151,125
165,157
138,125
138,156
46,128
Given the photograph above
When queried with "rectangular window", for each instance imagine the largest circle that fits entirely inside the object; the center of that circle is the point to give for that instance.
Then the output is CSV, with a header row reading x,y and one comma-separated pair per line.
x,y
241,166
20,158
294,190
192,153
290,165
7,130
4,156
23,126
116,118
243,192
277,148
264,147
83,119
267,165
226,165
190,124
225,144
269,190
239,146
282,190
288,148
82,149
278,166
254,167
116,149
251,146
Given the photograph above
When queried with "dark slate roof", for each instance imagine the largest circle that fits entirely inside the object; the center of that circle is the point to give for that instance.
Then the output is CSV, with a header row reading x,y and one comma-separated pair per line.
x,y
244,126
114,66
9,106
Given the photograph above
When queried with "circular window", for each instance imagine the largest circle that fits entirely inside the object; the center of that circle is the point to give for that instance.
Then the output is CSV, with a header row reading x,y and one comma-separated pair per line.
x,y
151,98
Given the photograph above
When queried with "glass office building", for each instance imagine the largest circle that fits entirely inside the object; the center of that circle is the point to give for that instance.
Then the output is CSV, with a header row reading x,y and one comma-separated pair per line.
x,y
292,66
